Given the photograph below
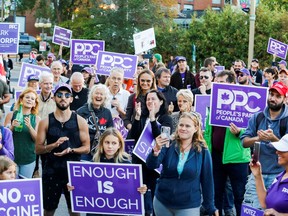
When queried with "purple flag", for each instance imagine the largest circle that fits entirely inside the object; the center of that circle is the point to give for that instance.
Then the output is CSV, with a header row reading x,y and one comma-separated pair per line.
x,y
107,60
28,69
61,35
202,102
106,188
248,211
119,125
235,103
85,51
145,144
9,38
277,47
21,195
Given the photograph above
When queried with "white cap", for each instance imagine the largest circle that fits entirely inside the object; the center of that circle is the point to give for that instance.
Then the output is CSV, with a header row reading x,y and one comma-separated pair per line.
x,y
282,144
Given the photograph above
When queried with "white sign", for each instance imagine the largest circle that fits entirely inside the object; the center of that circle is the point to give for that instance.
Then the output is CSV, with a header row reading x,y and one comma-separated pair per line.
x,y
144,41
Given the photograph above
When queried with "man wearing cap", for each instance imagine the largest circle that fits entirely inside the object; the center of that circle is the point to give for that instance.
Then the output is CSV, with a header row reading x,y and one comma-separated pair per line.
x,y
266,127
282,65
62,137
80,93
33,82
50,59
243,76
256,73
157,58
182,78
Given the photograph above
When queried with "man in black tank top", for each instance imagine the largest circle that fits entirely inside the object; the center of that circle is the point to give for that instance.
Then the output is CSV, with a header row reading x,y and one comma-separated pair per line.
x,y
67,137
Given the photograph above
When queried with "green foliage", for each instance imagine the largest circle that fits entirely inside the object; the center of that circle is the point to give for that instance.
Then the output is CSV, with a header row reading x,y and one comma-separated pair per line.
x,y
276,4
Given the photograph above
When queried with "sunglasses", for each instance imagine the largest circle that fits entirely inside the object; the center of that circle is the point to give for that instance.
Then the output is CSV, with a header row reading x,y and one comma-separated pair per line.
x,y
60,95
202,77
241,75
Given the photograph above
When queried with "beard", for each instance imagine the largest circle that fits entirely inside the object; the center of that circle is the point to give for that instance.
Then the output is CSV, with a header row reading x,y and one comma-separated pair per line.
x,y
275,107
242,82
62,107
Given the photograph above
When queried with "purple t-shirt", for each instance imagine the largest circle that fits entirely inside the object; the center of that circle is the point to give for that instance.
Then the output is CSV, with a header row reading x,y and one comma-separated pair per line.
x,y
277,194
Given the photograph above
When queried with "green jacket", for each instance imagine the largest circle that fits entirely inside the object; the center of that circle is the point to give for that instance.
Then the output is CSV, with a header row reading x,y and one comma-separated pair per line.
x,y
233,150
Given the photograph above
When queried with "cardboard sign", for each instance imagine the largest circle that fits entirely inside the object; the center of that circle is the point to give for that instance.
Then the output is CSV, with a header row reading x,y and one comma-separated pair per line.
x,y
219,69
9,38
61,35
277,47
249,211
202,103
144,41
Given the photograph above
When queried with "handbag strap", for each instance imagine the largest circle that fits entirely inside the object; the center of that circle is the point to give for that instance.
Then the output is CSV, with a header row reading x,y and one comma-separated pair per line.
x,y
94,119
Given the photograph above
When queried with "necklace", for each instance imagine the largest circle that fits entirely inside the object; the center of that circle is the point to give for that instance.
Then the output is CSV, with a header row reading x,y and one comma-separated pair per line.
x,y
184,149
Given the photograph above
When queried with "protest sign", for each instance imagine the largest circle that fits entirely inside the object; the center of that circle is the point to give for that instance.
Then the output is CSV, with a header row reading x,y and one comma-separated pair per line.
x,y
107,60
61,35
42,46
218,69
278,48
248,211
129,146
235,103
21,197
106,188
202,104
145,144
9,38
85,51
119,125
29,69
144,40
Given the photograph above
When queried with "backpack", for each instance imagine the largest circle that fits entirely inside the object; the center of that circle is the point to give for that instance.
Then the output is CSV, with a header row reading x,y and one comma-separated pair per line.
x,y
283,123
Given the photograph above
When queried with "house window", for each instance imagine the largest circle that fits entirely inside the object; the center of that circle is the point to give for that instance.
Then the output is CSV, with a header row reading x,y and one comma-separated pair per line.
x,y
216,1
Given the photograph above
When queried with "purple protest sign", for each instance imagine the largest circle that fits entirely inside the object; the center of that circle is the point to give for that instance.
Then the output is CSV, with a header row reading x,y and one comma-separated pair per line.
x,y
219,69
28,69
129,146
85,51
61,35
145,144
235,103
202,104
277,47
9,38
248,211
102,188
21,195
107,60
119,125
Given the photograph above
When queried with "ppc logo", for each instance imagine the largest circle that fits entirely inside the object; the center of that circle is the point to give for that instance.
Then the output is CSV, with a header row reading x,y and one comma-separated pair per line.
x,y
85,48
12,26
114,61
277,47
29,71
236,98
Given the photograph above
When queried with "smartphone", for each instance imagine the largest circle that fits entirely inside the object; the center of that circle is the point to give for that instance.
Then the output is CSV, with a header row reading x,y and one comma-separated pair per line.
x,y
256,152
165,133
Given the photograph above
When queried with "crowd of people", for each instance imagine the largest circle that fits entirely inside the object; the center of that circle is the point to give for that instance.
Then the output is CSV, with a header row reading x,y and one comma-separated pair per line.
x,y
203,172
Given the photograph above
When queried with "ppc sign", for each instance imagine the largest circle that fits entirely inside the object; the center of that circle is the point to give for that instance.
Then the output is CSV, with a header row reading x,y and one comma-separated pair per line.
x,y
202,103
85,51
107,60
29,69
235,103
9,37
21,197
106,188
62,36
278,48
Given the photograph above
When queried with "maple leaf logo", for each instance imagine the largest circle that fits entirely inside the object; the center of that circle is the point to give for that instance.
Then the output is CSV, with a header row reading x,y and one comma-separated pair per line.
x,y
107,58
79,46
225,96
102,121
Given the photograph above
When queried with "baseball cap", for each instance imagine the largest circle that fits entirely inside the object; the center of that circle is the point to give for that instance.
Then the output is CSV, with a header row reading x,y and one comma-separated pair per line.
x,y
245,71
32,77
282,62
280,88
63,86
88,70
282,144
158,57
181,58
255,60
63,61
51,55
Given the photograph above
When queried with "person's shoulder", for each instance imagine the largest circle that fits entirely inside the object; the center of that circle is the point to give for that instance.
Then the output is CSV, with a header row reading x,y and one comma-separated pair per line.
x,y
82,109
124,92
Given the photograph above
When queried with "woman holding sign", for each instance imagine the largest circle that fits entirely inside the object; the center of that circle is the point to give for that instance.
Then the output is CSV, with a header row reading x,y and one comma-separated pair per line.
x,y
186,171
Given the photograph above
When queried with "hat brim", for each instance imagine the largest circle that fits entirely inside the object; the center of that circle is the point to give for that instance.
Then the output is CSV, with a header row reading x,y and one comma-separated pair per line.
x,y
63,88
280,146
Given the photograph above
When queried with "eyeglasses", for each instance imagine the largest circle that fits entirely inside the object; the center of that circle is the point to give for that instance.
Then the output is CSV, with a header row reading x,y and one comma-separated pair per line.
x,y
60,95
202,77
143,80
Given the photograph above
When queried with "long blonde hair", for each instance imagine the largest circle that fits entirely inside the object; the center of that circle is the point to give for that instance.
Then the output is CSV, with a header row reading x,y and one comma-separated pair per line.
x,y
120,155
197,140
34,110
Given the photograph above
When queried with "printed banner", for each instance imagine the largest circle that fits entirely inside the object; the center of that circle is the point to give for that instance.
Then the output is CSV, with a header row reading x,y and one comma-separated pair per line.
x,y
277,47
219,69
85,51
129,146
144,40
61,35
107,60
235,103
42,46
119,125
248,211
202,104
145,144
21,197
106,188
28,69
9,38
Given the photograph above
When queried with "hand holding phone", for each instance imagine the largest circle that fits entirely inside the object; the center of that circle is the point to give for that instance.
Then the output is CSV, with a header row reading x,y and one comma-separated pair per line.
x,y
165,133
256,152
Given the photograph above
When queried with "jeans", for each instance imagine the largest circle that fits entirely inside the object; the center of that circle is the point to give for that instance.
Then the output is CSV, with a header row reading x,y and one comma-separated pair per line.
x,y
161,210
237,173
26,171
250,196
228,202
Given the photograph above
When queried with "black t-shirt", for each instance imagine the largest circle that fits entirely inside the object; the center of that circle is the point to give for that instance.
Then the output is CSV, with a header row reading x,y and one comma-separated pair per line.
x,y
79,98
